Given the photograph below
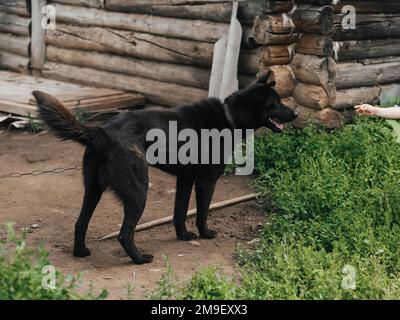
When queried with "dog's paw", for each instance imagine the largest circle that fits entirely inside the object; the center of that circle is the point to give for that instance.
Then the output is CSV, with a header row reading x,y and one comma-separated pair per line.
x,y
208,234
81,252
146,258
187,236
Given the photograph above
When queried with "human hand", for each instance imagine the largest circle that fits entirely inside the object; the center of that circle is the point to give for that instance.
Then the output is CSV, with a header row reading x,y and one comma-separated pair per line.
x,y
366,110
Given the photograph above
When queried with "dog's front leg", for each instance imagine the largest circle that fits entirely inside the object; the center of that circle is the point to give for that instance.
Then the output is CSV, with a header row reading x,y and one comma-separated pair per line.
x,y
183,190
204,193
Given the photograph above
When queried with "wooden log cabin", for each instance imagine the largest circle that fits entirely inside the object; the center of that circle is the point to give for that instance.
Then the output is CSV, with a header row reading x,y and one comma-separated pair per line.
x,y
163,49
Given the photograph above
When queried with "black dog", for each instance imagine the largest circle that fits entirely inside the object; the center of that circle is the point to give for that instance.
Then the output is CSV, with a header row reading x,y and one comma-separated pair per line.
x,y
115,155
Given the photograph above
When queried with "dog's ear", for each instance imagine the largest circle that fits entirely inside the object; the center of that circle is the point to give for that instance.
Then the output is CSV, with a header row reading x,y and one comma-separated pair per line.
x,y
264,78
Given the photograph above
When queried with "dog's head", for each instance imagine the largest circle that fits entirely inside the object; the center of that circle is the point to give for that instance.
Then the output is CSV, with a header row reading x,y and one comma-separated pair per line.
x,y
259,105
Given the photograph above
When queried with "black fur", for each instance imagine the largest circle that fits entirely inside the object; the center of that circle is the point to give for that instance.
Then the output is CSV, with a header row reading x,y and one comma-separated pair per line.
x,y
115,156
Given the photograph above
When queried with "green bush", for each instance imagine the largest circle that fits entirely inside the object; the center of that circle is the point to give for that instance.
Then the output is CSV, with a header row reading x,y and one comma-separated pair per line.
x,y
335,200
21,273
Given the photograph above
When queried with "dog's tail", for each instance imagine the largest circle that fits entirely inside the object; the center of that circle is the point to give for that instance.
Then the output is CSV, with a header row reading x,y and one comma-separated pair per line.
x,y
64,124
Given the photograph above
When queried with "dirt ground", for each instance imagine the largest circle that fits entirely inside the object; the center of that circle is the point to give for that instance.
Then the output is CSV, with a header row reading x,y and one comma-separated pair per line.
x,y
51,203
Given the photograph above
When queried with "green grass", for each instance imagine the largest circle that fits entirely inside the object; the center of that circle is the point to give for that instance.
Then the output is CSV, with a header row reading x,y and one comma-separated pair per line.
x,y
334,205
22,274
81,115
33,125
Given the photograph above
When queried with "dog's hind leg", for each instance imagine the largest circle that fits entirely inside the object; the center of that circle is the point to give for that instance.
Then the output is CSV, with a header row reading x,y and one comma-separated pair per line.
x,y
183,190
130,183
204,193
93,192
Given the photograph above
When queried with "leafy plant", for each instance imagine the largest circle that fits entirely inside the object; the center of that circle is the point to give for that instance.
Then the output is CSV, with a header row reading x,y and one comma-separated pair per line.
x,y
23,272
81,114
167,286
33,125
334,204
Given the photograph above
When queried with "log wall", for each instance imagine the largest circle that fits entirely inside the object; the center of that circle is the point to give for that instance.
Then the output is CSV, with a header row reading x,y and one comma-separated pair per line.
x,y
335,67
14,35
165,48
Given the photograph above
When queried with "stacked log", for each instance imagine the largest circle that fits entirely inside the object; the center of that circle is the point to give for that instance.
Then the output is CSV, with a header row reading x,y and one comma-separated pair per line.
x,y
337,68
274,33
313,65
14,35
165,46
366,56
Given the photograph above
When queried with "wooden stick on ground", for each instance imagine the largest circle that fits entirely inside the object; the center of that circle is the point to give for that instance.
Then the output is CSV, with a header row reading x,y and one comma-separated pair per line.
x,y
158,222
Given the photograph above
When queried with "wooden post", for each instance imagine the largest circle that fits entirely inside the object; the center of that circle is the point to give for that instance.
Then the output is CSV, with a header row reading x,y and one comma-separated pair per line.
x,y
38,39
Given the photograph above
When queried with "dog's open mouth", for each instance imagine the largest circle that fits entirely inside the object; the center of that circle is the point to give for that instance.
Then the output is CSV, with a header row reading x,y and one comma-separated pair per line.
x,y
275,125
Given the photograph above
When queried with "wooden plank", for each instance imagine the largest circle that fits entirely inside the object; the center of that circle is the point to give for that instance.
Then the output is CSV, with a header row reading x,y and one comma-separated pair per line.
x,y
17,108
94,99
15,93
38,43
25,83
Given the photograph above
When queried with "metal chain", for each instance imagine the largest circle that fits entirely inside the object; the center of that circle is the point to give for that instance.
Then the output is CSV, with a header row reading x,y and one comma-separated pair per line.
x,y
39,172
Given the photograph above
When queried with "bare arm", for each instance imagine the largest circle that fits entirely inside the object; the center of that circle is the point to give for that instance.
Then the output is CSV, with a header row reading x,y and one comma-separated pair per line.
x,y
385,113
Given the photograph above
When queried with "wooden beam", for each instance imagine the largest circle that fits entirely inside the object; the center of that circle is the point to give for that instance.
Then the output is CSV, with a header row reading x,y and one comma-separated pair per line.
x,y
369,26
13,62
15,44
130,43
38,36
84,3
171,27
366,73
157,92
369,6
14,24
348,98
140,45
18,7
219,11
364,49
161,71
